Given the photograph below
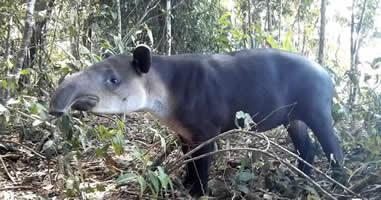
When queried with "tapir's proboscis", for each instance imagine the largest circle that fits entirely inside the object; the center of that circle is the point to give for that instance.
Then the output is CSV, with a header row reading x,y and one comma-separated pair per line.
x,y
198,97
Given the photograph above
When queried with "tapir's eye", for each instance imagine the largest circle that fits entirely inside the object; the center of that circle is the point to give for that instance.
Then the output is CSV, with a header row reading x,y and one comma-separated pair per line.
x,y
113,82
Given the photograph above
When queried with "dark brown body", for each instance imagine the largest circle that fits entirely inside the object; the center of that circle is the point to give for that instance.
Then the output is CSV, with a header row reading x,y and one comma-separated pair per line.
x,y
199,95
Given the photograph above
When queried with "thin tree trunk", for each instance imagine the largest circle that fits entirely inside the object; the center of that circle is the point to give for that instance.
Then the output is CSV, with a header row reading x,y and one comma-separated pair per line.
x,y
8,42
125,13
268,16
321,57
245,26
169,28
359,28
352,27
26,37
251,42
354,53
44,32
280,21
119,20
74,35
8,52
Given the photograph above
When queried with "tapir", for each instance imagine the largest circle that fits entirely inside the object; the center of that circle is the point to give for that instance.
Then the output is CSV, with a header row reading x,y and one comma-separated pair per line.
x,y
198,96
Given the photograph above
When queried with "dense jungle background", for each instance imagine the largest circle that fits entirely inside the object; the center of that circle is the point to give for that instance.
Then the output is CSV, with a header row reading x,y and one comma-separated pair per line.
x,y
89,156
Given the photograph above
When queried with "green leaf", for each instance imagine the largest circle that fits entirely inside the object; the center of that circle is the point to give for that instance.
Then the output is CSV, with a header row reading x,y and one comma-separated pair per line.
x,y
243,188
25,71
137,154
100,187
117,143
149,33
33,110
155,181
102,152
9,64
245,176
312,197
143,184
114,15
270,40
244,162
163,144
287,42
121,126
40,110
125,178
4,83
65,70
164,178
66,126
72,31
224,17
102,132
105,45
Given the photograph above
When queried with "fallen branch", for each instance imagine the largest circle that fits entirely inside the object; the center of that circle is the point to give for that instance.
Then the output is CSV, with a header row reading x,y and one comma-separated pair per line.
x,y
179,162
26,147
6,170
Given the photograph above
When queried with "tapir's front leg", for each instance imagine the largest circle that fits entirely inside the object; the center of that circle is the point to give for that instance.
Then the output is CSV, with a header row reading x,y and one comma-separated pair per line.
x,y
198,171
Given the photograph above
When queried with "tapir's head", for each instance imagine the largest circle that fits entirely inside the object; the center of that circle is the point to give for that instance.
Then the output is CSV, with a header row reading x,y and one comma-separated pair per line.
x,y
114,85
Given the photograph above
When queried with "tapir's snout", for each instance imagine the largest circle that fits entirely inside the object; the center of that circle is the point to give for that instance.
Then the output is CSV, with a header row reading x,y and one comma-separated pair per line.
x,y
70,94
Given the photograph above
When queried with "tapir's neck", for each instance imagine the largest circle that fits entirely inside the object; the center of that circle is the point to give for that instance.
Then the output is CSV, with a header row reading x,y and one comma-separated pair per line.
x,y
168,79
158,98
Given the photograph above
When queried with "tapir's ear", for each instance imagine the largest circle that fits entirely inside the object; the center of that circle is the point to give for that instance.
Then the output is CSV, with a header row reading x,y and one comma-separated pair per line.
x,y
142,58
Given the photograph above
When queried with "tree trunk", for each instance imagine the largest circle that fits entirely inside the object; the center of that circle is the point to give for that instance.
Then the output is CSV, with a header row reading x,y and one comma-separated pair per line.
x,y
355,43
26,37
251,42
8,53
268,15
321,57
245,26
40,31
74,35
8,42
169,27
280,21
119,19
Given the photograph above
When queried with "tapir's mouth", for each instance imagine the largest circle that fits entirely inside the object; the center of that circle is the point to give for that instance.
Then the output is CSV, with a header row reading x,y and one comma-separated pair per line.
x,y
85,102
82,103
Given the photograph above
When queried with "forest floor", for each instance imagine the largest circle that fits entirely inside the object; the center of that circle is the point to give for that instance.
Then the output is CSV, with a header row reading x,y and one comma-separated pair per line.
x,y
26,173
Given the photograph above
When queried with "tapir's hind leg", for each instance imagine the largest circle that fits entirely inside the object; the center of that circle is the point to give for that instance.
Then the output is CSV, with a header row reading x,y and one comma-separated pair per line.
x,y
198,171
298,132
320,122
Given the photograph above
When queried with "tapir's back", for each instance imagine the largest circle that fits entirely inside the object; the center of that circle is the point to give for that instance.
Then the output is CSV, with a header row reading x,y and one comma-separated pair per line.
x,y
267,83
257,81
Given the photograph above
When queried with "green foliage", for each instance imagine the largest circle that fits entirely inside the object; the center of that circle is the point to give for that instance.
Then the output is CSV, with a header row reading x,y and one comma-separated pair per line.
x,y
142,156
242,181
125,178
157,181
114,136
287,43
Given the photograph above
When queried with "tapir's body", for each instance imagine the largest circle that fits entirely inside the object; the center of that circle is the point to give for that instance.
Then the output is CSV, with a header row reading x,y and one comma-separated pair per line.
x,y
199,95
262,82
